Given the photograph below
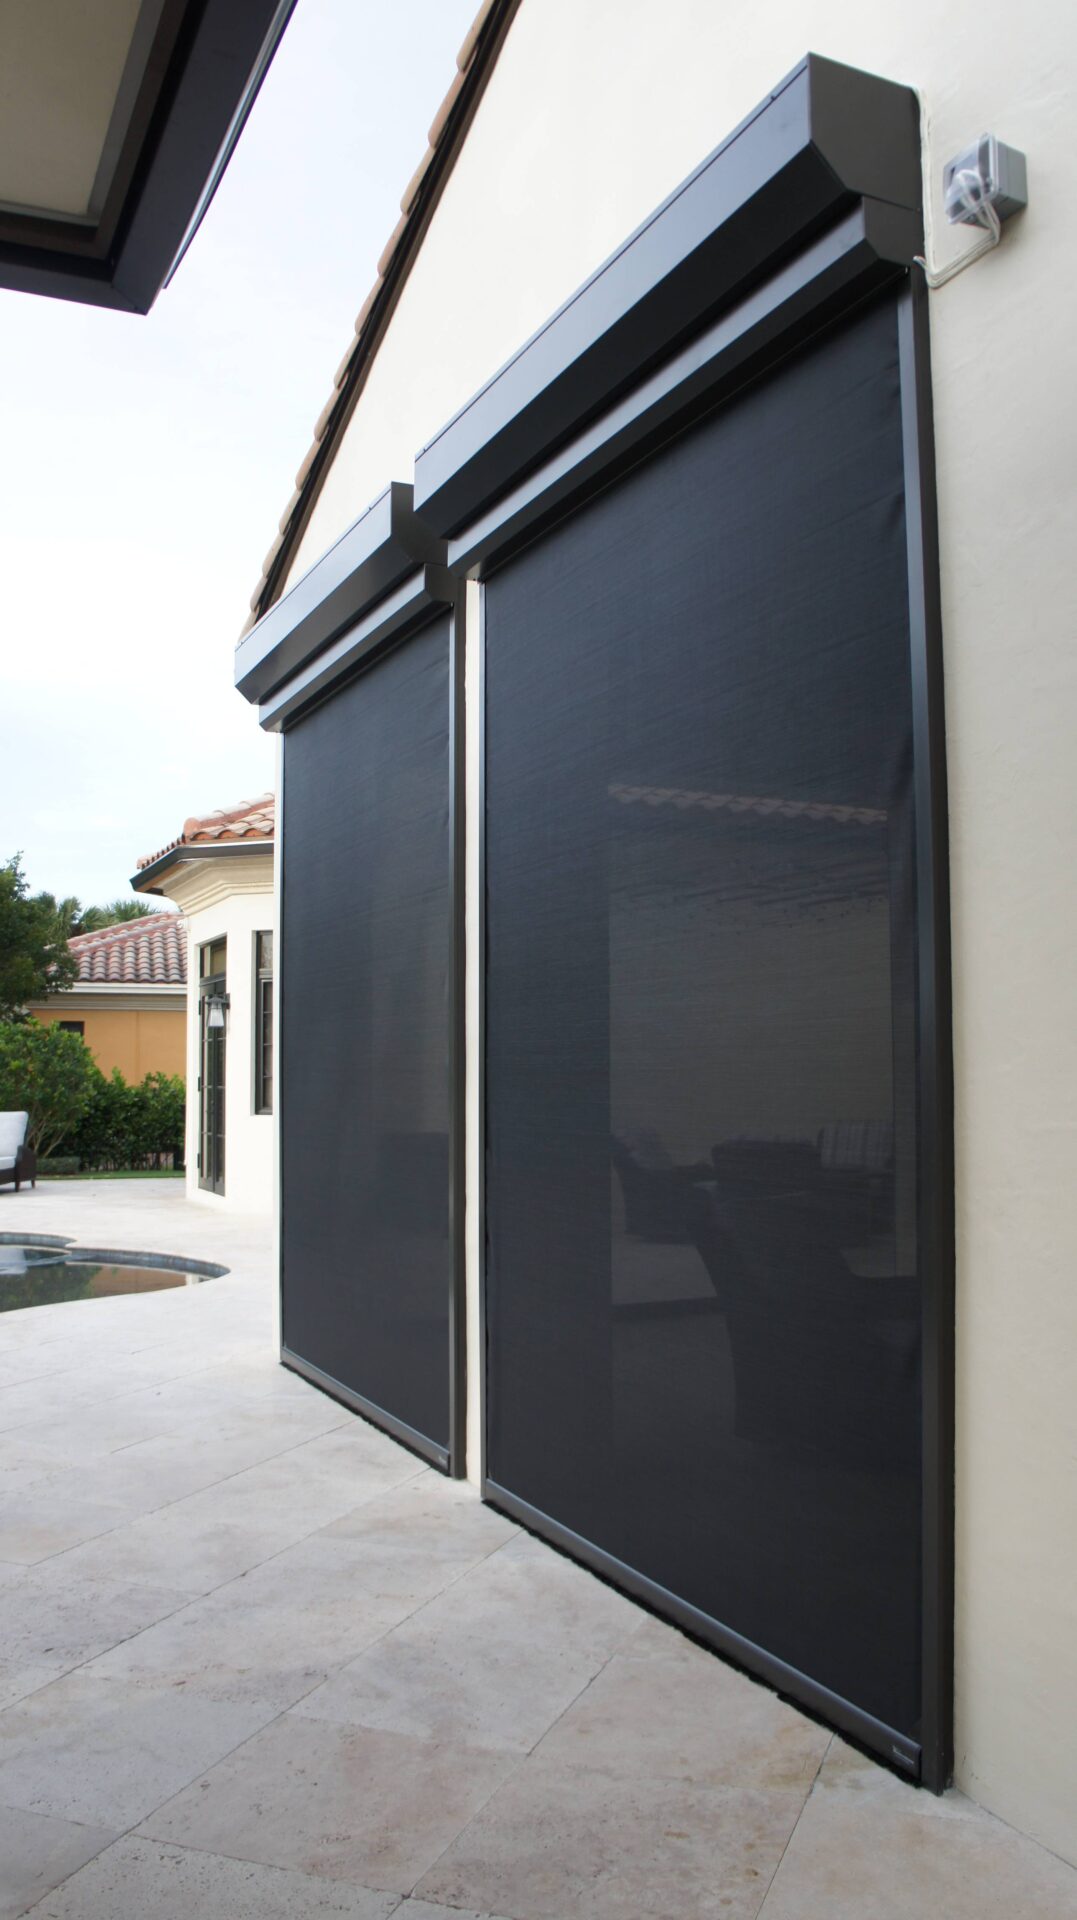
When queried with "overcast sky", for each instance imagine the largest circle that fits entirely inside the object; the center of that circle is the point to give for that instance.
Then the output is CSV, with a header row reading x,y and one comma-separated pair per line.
x,y
147,460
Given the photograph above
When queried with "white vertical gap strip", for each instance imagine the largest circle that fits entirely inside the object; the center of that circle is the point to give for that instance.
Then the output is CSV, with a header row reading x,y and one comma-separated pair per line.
x,y
472,974
278,960
194,1063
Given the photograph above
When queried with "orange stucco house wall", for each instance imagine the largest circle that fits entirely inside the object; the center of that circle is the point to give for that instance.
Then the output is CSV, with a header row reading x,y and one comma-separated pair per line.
x,y
137,1040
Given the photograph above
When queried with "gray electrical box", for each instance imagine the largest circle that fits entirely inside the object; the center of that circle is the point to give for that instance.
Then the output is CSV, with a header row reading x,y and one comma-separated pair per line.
x,y
988,171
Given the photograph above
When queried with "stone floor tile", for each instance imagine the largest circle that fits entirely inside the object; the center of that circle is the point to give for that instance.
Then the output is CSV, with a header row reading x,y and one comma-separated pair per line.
x,y
557,1843
418,1539
687,1717
193,1544
269,1640
311,1483
107,1753
406,1569
350,1803
870,1847
37,1851
493,1661
52,1622
33,1528
136,1878
20,1678
428,1910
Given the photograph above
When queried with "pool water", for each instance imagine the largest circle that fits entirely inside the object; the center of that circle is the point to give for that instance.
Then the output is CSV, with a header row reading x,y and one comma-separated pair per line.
x,y
40,1276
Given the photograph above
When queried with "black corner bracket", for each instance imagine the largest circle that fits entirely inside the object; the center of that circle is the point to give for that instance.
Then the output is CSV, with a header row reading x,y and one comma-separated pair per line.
x,y
372,560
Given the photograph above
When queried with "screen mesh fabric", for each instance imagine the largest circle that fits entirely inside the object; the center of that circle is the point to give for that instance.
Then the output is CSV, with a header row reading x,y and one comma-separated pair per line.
x,y
703,1294
364,1103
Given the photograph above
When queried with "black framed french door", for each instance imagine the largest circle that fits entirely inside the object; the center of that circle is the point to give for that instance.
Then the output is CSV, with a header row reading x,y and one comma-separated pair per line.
x,y
212,1062
368,1168
715,1119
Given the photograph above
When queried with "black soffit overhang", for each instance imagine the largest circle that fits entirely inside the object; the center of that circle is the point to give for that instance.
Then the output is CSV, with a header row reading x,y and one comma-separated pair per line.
x,y
189,79
814,201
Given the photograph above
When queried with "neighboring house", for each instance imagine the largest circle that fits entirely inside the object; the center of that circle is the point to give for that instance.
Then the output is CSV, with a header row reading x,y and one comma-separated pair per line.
x,y
129,1002
632,1084
219,871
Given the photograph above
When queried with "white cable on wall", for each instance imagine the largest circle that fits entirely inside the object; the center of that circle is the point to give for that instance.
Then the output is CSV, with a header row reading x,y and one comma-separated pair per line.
x,y
982,214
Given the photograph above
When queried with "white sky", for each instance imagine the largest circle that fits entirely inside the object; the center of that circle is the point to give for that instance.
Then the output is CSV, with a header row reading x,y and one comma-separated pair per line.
x,y
146,460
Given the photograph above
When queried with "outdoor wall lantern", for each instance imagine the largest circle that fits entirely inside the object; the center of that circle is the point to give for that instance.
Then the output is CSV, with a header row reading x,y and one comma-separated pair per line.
x,y
217,1006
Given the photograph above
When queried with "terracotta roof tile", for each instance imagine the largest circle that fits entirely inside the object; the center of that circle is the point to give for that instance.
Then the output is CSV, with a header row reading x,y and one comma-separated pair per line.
x,y
391,244
411,191
471,38
364,312
441,117
321,424
339,378
137,953
470,73
247,820
306,464
288,511
275,548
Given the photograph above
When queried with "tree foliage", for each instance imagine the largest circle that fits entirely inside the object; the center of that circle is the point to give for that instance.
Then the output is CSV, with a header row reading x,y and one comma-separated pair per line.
x,y
48,1074
34,958
92,919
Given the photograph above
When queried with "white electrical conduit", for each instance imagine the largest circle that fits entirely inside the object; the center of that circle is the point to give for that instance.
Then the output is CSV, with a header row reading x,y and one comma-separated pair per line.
x,y
972,196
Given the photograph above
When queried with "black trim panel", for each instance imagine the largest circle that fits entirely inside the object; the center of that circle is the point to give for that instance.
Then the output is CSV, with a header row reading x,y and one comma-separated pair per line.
x,y
399,1429
178,856
827,137
861,254
935,1224
425,593
224,50
369,561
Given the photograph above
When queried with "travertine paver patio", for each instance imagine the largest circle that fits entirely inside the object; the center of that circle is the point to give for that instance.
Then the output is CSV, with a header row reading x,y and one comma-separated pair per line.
x,y
257,1660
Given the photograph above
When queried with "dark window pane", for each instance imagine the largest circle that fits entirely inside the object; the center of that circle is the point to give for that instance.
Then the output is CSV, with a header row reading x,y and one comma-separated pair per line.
x,y
365,1115
265,1045
703,1293
213,958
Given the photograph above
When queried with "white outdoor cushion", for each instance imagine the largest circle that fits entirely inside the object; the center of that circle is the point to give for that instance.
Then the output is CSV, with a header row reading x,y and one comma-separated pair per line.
x,y
7,1161
12,1134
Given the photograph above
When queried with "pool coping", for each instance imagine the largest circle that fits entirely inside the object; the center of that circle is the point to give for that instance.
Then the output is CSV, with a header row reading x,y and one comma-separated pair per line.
x,y
117,1256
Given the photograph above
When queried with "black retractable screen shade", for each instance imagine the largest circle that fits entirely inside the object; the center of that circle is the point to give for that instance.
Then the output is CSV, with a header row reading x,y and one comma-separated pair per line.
x,y
364,1099
702,1285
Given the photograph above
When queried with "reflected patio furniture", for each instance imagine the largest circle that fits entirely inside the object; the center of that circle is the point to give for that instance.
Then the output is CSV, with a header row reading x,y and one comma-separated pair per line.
x,y
18,1162
820,1354
657,1193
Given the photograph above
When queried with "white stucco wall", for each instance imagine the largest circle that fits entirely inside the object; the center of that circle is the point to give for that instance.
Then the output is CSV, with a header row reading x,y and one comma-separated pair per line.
x,y
214,912
593,114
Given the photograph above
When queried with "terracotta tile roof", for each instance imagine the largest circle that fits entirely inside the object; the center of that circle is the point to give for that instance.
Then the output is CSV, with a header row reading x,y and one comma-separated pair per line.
x,y
135,953
474,64
247,820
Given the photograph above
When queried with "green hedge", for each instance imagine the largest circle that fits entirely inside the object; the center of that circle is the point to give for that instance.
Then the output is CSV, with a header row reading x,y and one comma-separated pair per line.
x,y
140,1127
60,1163
103,1124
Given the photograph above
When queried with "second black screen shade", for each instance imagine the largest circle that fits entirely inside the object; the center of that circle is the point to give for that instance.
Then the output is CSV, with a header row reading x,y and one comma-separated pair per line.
x,y
364,1104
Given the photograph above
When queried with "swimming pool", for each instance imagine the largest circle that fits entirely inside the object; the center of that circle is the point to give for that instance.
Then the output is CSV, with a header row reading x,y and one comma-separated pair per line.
x,y
39,1271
